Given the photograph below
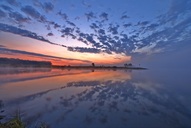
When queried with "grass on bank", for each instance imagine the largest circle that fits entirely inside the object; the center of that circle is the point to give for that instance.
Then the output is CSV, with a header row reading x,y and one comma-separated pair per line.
x,y
17,123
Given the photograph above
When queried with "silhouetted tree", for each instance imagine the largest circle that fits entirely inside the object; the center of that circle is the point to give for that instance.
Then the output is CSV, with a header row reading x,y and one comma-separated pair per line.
x,y
128,65
93,64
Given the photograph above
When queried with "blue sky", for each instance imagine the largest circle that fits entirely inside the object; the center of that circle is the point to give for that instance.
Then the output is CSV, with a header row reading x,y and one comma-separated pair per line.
x,y
149,32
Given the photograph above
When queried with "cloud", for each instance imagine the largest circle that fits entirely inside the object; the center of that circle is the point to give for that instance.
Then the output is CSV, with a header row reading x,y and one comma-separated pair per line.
x,y
114,41
12,51
2,46
101,31
168,36
18,18
6,8
152,27
47,6
63,15
90,39
82,40
71,23
178,8
143,23
104,16
106,37
56,26
13,2
84,50
37,3
124,17
90,15
149,49
86,4
94,26
77,18
33,13
50,34
67,31
22,32
2,14
172,28
127,25
100,40
113,29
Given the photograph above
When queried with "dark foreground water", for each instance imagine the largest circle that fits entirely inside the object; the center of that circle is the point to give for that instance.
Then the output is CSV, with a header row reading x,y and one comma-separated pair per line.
x,y
97,98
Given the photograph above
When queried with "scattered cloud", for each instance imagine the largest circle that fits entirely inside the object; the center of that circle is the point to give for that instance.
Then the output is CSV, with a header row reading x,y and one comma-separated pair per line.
x,y
47,6
63,15
84,50
6,8
143,23
18,18
86,4
124,17
56,26
50,34
127,25
2,14
22,32
2,46
71,23
67,31
90,15
13,2
113,29
37,3
104,16
149,49
13,51
152,27
33,13
102,34
178,8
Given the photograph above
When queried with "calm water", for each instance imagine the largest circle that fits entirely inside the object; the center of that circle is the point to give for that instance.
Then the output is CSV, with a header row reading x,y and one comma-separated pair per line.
x,y
98,98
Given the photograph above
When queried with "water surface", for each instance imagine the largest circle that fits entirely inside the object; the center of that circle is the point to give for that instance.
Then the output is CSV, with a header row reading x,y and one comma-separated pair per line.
x,y
97,98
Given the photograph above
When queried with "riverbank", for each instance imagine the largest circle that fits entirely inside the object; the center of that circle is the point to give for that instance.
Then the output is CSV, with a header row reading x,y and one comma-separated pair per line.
x,y
97,67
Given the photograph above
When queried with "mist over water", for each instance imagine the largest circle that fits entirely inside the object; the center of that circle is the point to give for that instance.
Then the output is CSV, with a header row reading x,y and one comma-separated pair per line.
x,y
97,98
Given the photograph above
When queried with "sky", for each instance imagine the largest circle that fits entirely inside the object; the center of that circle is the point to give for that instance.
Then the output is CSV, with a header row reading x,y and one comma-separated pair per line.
x,y
152,33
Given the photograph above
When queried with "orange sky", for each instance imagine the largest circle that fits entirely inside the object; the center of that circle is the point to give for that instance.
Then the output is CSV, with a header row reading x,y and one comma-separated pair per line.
x,y
20,43
61,77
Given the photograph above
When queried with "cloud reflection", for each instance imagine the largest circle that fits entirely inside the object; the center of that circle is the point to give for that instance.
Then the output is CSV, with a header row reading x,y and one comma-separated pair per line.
x,y
96,101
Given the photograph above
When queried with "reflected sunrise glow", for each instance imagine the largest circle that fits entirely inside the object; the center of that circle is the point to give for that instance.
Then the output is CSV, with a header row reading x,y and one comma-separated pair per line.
x,y
95,63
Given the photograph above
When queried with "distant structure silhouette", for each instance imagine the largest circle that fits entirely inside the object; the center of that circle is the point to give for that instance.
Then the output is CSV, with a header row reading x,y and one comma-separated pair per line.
x,y
93,64
128,65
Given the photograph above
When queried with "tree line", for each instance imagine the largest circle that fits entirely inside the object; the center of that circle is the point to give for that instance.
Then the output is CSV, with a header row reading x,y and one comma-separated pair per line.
x,y
23,63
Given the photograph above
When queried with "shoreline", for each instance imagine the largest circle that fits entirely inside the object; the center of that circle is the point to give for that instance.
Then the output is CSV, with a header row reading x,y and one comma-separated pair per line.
x,y
97,67
72,67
